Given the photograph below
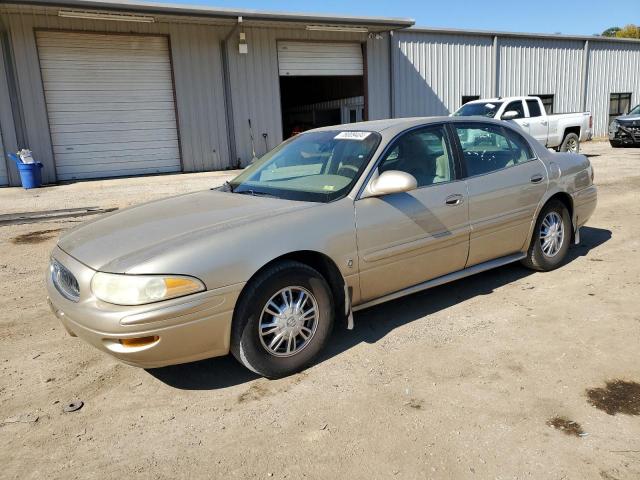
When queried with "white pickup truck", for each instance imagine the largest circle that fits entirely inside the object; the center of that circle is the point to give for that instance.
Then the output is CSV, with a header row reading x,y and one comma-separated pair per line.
x,y
563,131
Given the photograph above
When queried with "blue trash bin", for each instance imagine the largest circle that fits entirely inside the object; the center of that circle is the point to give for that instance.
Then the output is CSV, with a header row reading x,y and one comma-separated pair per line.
x,y
30,173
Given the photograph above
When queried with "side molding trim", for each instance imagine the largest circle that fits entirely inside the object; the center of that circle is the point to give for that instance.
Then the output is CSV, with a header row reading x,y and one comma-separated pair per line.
x,y
450,277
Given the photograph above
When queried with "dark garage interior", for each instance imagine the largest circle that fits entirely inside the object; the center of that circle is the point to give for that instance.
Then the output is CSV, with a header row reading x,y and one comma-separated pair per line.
x,y
315,101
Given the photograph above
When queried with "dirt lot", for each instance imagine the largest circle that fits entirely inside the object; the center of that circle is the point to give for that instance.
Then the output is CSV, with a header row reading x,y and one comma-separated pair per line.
x,y
477,379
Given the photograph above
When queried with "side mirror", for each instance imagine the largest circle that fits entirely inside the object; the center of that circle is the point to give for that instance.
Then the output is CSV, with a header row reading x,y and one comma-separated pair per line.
x,y
391,181
510,115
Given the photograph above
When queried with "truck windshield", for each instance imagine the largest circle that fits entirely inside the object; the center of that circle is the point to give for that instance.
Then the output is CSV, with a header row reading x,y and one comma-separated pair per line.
x,y
488,109
313,167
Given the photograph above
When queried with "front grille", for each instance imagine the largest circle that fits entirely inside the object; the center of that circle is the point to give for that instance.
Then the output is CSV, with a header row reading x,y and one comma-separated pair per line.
x,y
64,281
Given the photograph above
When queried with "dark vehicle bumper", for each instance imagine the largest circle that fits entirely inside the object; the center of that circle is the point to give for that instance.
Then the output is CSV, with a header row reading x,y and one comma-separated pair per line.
x,y
625,136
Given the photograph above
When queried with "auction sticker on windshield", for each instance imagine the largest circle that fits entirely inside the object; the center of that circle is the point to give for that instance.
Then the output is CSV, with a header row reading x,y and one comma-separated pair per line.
x,y
352,135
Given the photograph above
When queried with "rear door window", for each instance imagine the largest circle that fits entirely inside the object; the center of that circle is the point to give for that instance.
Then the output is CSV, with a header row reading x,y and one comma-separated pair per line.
x,y
534,108
489,148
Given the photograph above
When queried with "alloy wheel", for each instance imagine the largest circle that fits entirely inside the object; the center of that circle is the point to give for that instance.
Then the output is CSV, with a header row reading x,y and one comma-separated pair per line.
x,y
551,234
572,145
288,321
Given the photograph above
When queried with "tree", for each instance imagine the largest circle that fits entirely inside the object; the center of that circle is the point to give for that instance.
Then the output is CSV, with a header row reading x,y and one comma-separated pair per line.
x,y
611,32
629,31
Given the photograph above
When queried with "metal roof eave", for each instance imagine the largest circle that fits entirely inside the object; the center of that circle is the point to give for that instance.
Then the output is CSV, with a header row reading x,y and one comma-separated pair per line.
x,y
542,36
380,23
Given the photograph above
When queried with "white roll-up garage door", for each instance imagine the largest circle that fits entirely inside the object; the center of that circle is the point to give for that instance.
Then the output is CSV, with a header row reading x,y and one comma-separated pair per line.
x,y
110,102
320,59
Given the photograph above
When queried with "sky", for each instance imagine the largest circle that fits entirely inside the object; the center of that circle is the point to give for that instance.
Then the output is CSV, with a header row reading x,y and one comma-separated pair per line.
x,y
571,17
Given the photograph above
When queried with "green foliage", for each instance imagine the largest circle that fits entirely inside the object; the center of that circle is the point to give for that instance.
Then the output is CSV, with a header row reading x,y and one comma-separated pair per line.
x,y
611,32
628,31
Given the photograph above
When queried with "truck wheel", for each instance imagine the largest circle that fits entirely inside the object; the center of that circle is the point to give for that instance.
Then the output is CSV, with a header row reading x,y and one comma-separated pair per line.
x,y
551,238
571,143
282,320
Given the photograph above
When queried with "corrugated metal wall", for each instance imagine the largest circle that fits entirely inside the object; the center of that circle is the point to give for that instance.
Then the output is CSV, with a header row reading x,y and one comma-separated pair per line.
x,y
4,178
378,77
197,68
614,67
529,66
427,71
8,172
256,85
4,105
432,71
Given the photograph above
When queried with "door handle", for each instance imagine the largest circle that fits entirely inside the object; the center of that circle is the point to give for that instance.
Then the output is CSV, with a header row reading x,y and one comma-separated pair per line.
x,y
525,124
537,178
453,200
544,123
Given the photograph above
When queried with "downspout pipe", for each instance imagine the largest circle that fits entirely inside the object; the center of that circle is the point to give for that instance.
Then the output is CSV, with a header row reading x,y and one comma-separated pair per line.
x,y
392,61
584,83
234,161
495,67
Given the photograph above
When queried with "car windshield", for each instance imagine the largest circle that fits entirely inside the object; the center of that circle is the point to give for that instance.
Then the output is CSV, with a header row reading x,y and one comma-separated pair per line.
x,y
635,110
314,166
488,109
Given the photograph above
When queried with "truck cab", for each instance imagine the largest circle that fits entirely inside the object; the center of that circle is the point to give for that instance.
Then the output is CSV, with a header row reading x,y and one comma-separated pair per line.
x,y
562,132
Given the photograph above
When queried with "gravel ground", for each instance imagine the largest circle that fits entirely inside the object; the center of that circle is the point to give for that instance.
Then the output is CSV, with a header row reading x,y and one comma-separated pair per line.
x,y
508,374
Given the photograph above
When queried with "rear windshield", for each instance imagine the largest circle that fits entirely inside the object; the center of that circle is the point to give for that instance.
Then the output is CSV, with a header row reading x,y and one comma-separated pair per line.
x,y
488,109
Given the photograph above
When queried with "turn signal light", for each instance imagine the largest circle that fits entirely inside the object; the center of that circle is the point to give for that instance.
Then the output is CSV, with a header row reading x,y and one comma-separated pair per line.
x,y
138,342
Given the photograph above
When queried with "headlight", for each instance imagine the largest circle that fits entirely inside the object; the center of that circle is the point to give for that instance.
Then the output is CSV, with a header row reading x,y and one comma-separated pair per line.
x,y
141,289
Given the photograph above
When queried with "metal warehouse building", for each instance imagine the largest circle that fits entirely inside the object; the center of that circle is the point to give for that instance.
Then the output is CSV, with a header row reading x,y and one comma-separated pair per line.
x,y
99,88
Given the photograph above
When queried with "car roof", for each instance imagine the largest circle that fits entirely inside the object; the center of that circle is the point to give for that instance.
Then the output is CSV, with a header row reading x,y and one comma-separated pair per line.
x,y
393,126
501,99
380,125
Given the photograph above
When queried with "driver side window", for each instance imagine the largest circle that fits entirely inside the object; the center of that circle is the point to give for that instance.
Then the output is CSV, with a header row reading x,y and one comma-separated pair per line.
x,y
424,153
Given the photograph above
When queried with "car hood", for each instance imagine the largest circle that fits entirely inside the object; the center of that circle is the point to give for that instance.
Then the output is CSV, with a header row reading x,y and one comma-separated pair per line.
x,y
627,119
117,242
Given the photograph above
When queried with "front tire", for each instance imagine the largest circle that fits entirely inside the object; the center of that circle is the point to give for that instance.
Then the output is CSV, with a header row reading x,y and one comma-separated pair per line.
x,y
282,320
571,143
615,144
551,238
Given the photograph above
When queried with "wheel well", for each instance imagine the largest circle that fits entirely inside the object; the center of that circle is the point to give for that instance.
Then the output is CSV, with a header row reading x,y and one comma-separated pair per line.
x,y
566,199
324,265
569,130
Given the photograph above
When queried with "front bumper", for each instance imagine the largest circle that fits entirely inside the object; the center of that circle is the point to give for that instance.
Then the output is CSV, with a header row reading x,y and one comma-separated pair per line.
x,y
625,135
188,328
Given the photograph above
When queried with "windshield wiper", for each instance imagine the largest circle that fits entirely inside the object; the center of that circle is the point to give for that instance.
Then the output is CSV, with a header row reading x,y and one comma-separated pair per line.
x,y
257,194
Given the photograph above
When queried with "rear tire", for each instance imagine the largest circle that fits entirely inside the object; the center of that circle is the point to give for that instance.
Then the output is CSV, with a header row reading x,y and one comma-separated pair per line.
x,y
571,143
551,238
286,341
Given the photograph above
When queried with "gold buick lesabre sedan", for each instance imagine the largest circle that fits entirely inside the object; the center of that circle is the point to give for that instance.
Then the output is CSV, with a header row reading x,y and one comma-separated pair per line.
x,y
331,221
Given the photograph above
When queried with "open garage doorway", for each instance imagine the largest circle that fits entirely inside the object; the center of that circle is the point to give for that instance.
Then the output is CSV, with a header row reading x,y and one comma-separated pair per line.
x,y
321,83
